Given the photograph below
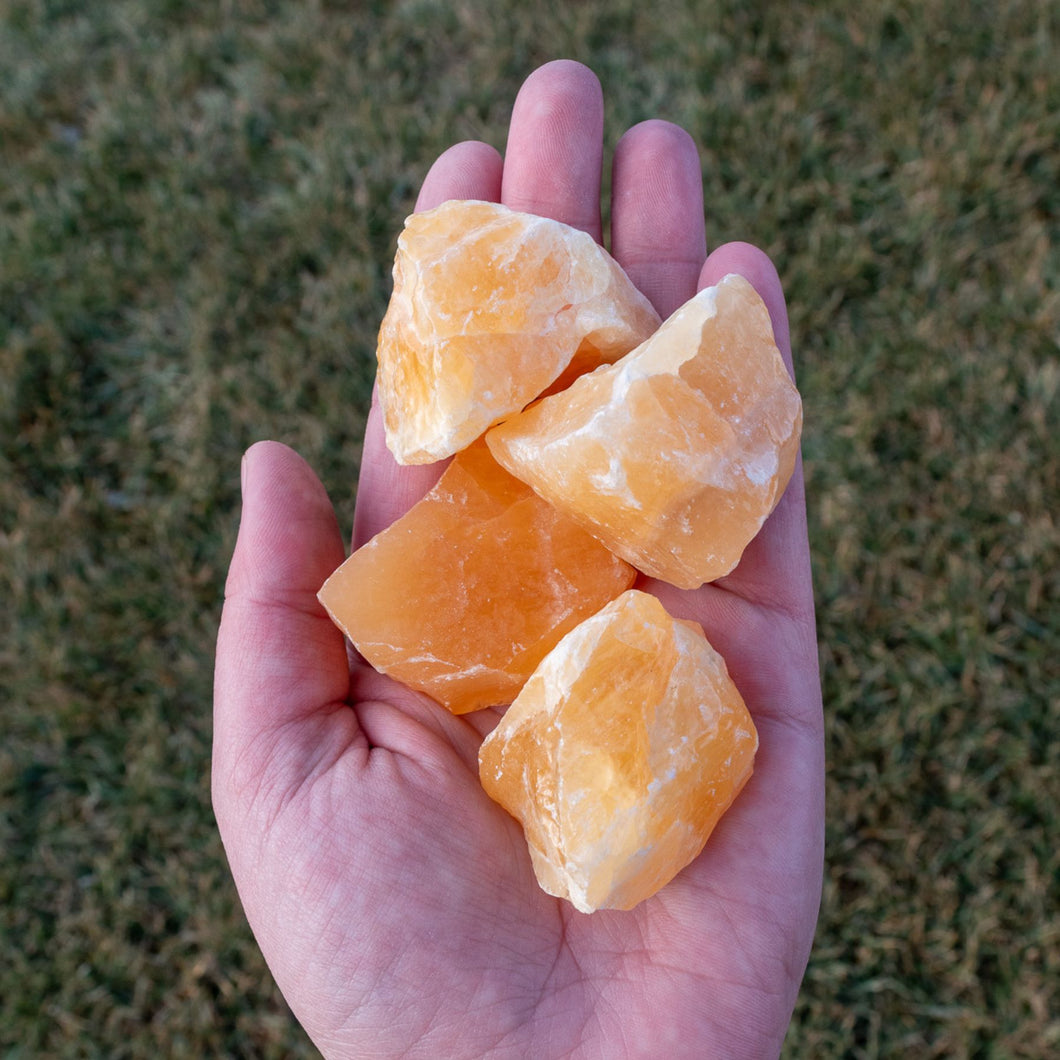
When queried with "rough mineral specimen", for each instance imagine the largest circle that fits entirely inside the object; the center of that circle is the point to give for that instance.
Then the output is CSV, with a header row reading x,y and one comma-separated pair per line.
x,y
621,753
627,740
674,455
463,596
489,308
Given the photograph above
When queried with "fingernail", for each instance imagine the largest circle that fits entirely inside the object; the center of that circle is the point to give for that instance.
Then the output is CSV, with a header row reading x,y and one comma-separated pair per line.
x,y
243,475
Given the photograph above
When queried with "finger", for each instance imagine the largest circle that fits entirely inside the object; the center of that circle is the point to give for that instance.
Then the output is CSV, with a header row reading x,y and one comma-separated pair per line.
x,y
657,229
386,490
468,170
280,660
761,616
754,265
775,567
555,145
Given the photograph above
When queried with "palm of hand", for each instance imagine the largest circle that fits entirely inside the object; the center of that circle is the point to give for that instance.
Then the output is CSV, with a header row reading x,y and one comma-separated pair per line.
x,y
394,902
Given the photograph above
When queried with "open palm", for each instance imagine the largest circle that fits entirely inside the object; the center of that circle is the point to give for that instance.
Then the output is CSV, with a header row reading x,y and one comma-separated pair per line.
x,y
394,902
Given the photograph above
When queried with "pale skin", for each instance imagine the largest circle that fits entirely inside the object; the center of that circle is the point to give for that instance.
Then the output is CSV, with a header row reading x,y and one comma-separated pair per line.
x,y
394,902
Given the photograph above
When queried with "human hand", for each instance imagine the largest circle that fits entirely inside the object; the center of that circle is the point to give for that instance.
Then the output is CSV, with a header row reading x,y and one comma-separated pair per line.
x,y
394,902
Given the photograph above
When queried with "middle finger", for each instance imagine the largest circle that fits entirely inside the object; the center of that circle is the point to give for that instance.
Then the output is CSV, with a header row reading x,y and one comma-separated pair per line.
x,y
555,144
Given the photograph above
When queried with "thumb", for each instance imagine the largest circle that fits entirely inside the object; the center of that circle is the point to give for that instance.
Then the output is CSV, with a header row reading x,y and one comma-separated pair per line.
x,y
281,664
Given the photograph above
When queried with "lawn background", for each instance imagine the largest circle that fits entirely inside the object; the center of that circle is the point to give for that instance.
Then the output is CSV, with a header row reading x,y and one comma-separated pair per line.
x,y
198,208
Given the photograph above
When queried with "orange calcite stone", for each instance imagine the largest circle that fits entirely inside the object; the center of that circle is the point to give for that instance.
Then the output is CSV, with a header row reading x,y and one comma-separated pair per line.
x,y
621,754
465,594
489,308
675,455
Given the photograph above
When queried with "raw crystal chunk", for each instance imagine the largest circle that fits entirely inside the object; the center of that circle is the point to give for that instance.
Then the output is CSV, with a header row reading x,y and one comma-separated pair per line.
x,y
675,455
489,308
463,596
621,753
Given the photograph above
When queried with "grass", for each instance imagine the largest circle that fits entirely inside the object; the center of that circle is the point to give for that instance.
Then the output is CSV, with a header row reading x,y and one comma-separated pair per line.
x,y
196,225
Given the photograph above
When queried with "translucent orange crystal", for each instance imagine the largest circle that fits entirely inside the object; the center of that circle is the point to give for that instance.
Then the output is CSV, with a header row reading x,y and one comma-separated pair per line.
x,y
489,307
675,455
621,754
464,595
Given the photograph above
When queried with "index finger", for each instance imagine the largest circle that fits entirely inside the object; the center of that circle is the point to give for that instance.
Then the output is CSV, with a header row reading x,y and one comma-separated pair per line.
x,y
387,490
